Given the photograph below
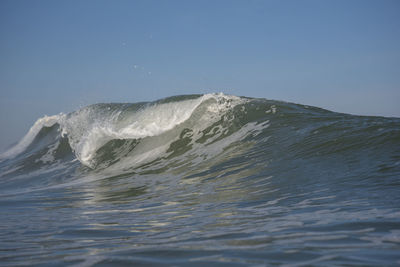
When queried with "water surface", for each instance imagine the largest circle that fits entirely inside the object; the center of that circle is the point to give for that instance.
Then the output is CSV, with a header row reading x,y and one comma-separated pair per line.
x,y
202,179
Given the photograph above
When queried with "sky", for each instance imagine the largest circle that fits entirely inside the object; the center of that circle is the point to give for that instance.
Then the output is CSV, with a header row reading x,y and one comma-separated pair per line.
x,y
58,56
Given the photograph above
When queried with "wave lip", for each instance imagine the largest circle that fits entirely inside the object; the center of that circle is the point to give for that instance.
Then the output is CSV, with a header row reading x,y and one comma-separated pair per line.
x,y
22,145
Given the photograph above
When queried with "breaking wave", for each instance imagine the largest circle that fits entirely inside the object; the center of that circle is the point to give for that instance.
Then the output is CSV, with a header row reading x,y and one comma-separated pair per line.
x,y
135,134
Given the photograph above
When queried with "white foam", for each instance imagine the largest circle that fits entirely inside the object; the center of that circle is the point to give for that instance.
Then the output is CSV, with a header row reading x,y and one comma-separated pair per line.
x,y
157,148
87,134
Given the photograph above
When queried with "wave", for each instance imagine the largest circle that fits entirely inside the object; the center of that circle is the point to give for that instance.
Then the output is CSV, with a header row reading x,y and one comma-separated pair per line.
x,y
101,135
186,130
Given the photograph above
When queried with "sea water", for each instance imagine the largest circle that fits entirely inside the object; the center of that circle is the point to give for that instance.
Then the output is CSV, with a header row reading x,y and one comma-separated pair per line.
x,y
202,179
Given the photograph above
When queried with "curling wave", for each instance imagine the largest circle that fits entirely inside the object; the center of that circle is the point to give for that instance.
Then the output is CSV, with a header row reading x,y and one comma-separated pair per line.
x,y
135,134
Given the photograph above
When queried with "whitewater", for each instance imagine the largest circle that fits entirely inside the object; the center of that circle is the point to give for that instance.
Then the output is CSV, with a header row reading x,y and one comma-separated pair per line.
x,y
202,179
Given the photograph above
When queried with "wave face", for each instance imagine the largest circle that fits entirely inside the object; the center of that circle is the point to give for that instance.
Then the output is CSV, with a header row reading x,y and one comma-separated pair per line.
x,y
202,179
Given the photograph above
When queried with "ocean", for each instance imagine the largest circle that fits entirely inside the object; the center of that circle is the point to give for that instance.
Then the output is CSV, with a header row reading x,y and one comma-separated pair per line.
x,y
202,179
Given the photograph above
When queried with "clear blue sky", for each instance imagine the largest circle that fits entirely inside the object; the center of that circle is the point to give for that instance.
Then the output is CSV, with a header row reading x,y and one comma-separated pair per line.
x,y
56,56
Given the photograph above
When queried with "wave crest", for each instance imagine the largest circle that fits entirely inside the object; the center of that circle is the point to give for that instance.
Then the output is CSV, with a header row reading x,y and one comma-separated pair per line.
x,y
135,134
